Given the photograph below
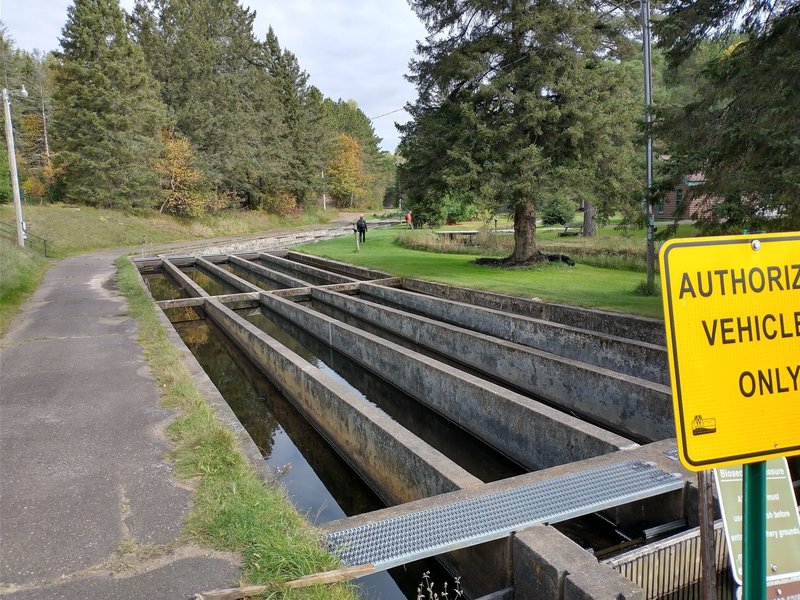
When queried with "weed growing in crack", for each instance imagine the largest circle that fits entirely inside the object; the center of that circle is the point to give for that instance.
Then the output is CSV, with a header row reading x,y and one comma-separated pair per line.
x,y
426,589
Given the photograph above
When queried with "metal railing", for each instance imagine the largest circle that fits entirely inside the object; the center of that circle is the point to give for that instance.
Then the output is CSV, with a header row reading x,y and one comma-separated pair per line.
x,y
34,242
670,569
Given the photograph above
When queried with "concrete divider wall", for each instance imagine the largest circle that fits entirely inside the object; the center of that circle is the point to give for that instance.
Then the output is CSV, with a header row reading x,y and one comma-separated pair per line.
x,y
643,329
260,243
219,405
304,269
548,565
228,277
631,357
335,265
182,262
541,559
281,278
232,301
183,281
396,464
531,433
626,404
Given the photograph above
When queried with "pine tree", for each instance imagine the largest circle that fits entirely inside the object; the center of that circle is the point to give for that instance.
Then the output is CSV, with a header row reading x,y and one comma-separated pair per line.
x,y
5,176
216,83
30,115
107,114
301,112
524,85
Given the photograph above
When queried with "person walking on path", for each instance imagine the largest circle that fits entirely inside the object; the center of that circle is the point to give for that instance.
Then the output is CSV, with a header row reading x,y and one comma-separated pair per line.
x,y
408,220
361,227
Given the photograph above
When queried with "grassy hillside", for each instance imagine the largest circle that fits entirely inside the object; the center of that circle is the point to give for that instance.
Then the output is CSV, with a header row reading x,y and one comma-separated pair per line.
x,y
72,230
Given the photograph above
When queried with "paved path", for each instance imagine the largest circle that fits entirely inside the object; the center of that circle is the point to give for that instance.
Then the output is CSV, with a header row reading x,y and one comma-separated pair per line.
x,y
88,506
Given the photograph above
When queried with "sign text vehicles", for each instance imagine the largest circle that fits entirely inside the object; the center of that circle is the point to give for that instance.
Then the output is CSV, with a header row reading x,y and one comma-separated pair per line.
x,y
732,312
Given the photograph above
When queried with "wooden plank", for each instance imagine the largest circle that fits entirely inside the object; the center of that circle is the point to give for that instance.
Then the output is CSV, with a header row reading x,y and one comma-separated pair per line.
x,y
344,574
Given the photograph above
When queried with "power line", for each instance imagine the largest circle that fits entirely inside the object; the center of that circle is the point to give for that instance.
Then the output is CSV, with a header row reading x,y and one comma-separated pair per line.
x,y
388,113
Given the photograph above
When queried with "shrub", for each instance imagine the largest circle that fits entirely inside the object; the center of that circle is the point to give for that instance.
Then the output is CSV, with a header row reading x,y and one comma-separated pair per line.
x,y
557,211
457,207
281,203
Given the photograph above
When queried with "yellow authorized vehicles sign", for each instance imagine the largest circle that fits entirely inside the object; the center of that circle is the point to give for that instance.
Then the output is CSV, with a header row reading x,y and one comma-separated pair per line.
x,y
732,312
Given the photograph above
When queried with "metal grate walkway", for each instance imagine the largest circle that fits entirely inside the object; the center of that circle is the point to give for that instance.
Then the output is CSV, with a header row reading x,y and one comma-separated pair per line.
x,y
400,540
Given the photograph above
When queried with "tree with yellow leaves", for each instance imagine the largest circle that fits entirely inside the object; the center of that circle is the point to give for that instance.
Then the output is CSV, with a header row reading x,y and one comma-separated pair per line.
x,y
347,181
182,184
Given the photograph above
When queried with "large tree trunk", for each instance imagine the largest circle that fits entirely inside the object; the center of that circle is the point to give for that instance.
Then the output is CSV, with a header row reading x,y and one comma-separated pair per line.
x,y
525,250
589,219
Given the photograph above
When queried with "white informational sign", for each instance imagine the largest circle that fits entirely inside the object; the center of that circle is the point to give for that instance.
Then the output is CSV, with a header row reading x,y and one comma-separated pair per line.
x,y
783,521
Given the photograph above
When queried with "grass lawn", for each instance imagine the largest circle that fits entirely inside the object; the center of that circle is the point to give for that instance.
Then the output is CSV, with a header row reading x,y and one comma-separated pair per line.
x,y
582,285
605,233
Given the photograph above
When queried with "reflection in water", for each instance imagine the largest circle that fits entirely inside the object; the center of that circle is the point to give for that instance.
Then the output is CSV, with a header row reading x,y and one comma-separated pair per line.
x,y
320,484
458,445
252,277
282,434
179,314
211,284
161,287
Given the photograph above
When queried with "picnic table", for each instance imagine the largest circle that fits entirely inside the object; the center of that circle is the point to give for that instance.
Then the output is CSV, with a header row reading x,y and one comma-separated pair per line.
x,y
462,234
571,229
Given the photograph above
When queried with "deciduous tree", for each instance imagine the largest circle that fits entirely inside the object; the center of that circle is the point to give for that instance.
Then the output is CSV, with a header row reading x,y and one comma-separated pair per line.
x,y
347,179
183,188
345,117
31,115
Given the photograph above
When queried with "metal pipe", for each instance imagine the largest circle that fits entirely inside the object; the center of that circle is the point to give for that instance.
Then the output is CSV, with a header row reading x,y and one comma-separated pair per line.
x,y
648,102
754,531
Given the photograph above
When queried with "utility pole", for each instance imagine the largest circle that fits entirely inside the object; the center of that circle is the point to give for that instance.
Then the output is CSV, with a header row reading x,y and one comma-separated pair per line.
x,y
648,119
12,165
324,200
44,124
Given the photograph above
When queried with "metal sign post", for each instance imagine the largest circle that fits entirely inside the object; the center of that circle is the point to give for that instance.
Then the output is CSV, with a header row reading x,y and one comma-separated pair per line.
x,y
754,542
